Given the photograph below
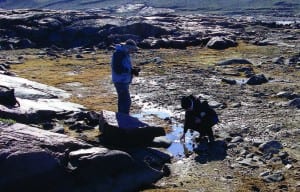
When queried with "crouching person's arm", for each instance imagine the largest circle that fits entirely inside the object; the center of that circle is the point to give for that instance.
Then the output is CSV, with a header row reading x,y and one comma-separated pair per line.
x,y
188,123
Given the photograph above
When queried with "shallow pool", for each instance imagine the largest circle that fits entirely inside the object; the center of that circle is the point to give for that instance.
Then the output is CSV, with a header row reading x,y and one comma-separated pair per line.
x,y
178,148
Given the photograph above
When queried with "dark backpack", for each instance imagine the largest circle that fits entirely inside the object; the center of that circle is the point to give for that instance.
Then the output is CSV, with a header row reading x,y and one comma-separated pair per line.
x,y
210,112
7,96
117,64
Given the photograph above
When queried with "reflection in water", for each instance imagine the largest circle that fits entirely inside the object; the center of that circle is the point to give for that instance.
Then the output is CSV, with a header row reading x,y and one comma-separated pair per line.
x,y
178,149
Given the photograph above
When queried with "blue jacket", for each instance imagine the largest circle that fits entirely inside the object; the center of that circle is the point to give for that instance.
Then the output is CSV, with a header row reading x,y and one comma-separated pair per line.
x,y
123,76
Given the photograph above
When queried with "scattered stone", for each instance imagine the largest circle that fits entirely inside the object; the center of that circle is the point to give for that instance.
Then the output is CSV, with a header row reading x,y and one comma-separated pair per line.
x,y
257,142
231,145
275,177
248,163
220,43
283,154
257,80
237,139
250,155
265,42
289,166
78,56
236,105
287,95
271,147
234,61
229,81
215,104
294,103
265,173
278,60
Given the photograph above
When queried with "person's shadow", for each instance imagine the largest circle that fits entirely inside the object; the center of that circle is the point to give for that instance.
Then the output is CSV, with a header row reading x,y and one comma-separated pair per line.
x,y
215,151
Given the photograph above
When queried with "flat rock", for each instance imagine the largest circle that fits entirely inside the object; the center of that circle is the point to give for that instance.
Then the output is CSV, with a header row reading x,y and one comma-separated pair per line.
x,y
234,61
125,130
31,90
38,102
294,103
272,147
86,161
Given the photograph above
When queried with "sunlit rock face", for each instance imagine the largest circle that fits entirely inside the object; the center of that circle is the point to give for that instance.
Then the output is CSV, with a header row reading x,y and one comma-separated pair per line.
x,y
151,27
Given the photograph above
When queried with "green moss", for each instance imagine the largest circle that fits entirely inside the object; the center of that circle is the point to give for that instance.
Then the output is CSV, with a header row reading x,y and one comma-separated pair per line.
x,y
7,121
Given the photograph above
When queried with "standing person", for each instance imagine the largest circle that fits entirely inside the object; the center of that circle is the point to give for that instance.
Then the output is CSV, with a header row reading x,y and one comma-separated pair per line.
x,y
122,72
199,116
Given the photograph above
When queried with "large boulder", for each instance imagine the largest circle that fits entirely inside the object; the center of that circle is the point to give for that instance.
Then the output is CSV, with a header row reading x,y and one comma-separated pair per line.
x,y
31,156
36,160
124,130
221,43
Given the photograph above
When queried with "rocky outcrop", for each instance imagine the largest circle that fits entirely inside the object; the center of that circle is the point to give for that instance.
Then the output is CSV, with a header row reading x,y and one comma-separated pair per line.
x,y
33,158
69,29
38,102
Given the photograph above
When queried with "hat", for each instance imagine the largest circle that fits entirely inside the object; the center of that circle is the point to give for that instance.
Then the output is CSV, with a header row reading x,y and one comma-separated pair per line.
x,y
130,43
186,102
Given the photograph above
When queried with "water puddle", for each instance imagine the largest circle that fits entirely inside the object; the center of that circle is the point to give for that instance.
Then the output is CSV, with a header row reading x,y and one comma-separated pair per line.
x,y
178,149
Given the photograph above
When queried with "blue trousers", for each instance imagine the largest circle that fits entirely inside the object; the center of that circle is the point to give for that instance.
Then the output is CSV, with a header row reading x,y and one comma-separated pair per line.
x,y
124,100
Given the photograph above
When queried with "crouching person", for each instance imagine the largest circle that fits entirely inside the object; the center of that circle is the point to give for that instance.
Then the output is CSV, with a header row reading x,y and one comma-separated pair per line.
x,y
199,116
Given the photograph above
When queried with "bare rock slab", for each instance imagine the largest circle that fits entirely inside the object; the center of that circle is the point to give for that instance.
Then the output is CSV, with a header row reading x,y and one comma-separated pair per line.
x,y
28,153
33,158
124,130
